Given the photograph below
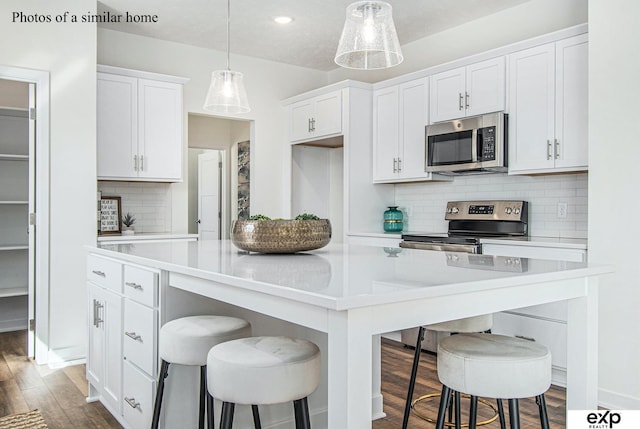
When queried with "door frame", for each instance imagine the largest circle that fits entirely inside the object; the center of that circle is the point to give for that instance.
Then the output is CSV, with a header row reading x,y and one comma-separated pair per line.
x,y
39,348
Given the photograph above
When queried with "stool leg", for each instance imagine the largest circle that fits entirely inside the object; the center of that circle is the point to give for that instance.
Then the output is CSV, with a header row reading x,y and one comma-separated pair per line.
x,y
503,422
256,417
542,407
412,380
458,417
210,419
301,412
451,408
203,395
514,413
226,417
164,371
473,412
444,402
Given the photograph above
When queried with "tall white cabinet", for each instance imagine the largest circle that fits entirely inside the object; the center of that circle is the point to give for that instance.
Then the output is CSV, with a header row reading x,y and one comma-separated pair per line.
x,y
548,108
140,126
16,182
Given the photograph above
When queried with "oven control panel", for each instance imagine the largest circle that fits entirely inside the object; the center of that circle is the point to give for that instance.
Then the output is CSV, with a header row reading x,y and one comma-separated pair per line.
x,y
487,210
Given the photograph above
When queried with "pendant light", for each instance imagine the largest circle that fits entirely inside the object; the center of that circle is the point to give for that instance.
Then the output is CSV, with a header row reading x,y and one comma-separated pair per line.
x,y
226,92
369,40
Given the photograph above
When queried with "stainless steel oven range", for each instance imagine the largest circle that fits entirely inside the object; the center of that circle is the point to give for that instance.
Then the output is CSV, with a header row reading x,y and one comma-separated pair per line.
x,y
469,221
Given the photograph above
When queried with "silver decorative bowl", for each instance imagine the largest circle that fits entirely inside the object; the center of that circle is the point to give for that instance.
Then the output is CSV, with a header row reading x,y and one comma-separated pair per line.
x,y
280,236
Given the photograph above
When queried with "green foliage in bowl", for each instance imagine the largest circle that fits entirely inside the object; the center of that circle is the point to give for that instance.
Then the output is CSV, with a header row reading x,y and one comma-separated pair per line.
x,y
307,216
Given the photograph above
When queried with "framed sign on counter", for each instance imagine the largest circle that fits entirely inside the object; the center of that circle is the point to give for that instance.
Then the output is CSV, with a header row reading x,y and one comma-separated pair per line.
x,y
110,216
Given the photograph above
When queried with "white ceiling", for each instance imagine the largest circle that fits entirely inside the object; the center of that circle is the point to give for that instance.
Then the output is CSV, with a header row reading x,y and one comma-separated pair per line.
x,y
309,41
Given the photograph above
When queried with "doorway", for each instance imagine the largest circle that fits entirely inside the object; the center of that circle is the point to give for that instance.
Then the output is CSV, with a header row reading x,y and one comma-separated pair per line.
x,y
24,203
218,143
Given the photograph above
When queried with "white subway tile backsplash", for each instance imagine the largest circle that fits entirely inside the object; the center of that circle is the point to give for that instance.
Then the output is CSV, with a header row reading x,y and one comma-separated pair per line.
x,y
150,203
427,201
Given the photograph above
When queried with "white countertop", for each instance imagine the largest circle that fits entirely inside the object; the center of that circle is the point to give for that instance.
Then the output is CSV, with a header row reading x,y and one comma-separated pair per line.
x,y
560,242
146,236
339,276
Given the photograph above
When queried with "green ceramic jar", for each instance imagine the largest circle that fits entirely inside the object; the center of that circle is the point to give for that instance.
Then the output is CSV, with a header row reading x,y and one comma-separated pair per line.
x,y
393,219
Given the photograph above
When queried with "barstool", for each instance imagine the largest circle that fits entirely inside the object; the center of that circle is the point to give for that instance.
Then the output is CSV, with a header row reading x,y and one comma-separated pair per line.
x,y
263,371
494,366
468,324
186,341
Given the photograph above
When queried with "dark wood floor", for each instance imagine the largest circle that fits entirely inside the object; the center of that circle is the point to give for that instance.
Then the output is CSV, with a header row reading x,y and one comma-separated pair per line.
x,y
60,393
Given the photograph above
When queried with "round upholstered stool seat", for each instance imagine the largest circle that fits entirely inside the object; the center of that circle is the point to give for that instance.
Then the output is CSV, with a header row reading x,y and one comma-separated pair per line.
x,y
468,324
187,341
495,366
263,371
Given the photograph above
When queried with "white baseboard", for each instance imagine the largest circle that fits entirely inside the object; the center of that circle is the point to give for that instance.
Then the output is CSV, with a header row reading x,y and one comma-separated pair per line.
x,y
13,325
66,356
617,401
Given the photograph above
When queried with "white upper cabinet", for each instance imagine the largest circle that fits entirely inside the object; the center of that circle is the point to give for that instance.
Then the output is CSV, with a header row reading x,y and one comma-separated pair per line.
x,y
400,115
316,118
468,91
548,107
139,128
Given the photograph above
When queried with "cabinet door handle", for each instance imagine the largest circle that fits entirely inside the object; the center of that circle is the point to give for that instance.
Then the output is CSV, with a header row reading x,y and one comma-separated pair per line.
x,y
133,336
556,149
99,273
313,124
135,285
395,165
98,319
309,125
135,162
141,162
460,106
399,165
548,149
466,100
95,313
132,402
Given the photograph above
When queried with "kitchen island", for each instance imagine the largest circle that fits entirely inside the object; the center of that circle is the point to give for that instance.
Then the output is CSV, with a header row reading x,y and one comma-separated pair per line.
x,y
354,293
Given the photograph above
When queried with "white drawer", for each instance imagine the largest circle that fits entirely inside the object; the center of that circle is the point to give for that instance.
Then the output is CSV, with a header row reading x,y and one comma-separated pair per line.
x,y
104,272
551,334
139,336
140,285
137,395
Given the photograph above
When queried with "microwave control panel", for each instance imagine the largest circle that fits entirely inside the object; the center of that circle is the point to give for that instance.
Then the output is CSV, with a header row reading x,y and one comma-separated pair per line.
x,y
487,144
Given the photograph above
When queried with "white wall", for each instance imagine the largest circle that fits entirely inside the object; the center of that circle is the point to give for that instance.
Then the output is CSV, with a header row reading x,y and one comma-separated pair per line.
x,y
530,19
267,83
68,52
614,177
424,204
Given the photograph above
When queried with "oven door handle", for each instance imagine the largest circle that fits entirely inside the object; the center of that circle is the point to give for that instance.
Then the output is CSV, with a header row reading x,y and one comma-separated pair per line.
x,y
442,247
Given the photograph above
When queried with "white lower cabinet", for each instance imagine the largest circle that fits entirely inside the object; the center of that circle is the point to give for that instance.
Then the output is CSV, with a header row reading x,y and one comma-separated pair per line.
x,y
123,330
546,323
137,393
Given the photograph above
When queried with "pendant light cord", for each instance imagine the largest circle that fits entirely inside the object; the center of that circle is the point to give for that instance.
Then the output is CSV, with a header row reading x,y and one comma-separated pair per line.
x,y
228,32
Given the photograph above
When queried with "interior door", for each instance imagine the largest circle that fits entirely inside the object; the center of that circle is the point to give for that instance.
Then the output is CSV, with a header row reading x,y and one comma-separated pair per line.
x,y
209,195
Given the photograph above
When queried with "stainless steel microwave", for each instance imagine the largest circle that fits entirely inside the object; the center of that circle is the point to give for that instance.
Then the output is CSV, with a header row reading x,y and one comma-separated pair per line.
x,y
467,146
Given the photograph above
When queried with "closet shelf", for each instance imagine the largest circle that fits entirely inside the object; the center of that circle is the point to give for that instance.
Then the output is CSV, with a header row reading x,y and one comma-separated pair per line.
x,y
11,157
13,291
7,247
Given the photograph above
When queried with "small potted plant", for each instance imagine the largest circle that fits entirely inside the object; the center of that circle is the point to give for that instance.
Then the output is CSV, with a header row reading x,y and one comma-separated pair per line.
x,y
127,224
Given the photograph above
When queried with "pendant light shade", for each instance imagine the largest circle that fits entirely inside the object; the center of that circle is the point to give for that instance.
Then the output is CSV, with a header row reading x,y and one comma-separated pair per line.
x,y
369,40
226,92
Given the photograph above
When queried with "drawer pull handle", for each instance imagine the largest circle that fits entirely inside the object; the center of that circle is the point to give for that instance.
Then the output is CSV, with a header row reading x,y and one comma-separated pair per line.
x,y
99,273
132,402
133,336
133,285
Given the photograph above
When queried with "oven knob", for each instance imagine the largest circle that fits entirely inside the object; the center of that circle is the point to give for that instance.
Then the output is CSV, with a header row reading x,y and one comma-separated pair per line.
x,y
454,210
516,211
448,210
508,210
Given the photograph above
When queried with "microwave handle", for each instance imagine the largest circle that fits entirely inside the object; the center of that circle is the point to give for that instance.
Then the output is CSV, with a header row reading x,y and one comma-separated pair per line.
x,y
474,145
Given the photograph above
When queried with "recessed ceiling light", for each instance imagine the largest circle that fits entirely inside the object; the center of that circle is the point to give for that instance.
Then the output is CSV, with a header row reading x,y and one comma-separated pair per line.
x,y
283,19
